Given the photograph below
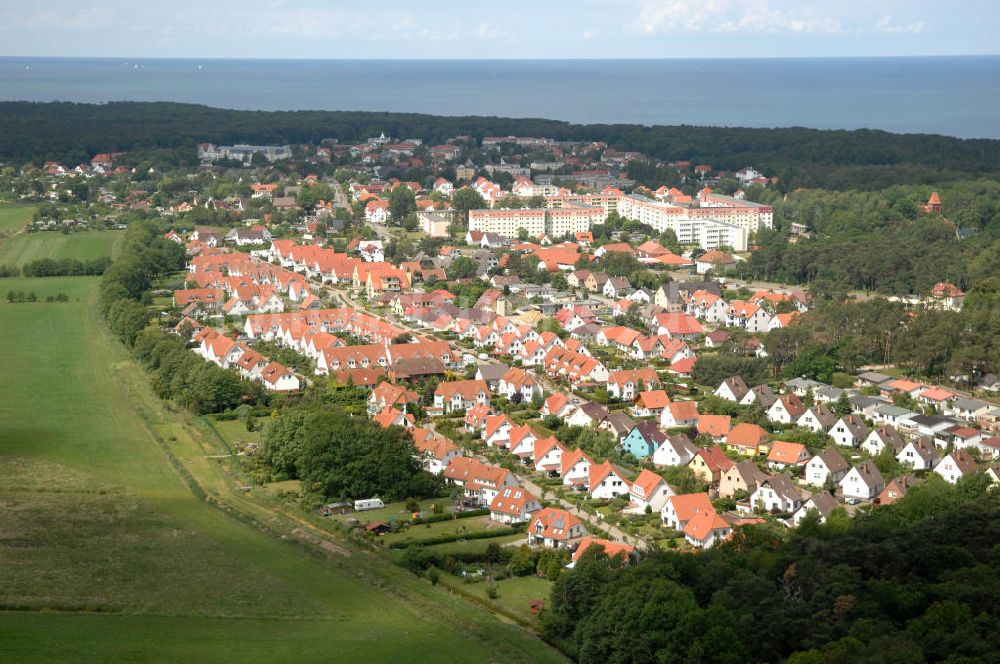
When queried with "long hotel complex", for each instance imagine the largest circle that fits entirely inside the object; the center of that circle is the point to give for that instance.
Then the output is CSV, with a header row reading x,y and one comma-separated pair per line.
x,y
715,221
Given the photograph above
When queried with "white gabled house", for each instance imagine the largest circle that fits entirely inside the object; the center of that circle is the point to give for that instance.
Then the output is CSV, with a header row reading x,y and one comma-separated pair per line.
x,y
512,505
955,466
676,450
849,431
864,482
732,389
920,453
821,501
607,481
827,466
883,437
649,490
576,469
776,494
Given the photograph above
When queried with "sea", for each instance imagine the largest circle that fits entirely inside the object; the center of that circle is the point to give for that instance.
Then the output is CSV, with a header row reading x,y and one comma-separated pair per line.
x,y
954,96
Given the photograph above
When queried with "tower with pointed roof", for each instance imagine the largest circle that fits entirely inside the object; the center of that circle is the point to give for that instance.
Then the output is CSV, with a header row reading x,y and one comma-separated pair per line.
x,y
933,204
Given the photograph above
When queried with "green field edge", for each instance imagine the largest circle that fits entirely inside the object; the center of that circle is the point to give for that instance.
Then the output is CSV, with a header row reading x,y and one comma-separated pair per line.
x,y
242,510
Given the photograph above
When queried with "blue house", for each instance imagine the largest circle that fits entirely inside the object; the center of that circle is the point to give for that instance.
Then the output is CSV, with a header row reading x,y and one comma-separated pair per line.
x,y
643,440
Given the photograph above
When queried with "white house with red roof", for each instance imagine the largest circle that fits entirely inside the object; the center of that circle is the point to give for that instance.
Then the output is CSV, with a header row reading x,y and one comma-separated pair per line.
x,y
480,482
460,395
679,414
434,452
377,211
519,382
444,187
555,528
513,504
625,384
611,549
708,307
522,443
648,491
679,509
576,469
547,456
496,431
279,378
748,316
559,405
678,326
607,481
217,348
706,529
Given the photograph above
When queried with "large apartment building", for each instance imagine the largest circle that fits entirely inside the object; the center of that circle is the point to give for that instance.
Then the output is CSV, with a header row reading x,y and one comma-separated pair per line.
x,y
208,152
608,202
709,227
507,222
555,222
750,215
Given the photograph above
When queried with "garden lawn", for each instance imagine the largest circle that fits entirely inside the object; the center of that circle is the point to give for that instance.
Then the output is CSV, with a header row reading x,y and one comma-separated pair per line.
x,y
514,595
103,531
234,430
452,527
475,545
395,511
293,487
25,247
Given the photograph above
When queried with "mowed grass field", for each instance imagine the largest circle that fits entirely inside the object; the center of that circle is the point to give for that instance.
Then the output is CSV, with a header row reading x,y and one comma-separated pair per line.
x,y
24,247
14,217
514,596
107,554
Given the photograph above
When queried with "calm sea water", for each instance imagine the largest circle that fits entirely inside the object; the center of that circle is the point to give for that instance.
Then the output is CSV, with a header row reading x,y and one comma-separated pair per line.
x,y
957,96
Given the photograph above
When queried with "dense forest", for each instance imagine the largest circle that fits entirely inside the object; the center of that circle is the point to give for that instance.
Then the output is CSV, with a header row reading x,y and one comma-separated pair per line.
x,y
960,345
913,582
881,241
862,159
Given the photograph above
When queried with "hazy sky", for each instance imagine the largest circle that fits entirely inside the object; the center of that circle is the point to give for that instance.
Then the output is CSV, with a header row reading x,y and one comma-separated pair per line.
x,y
506,29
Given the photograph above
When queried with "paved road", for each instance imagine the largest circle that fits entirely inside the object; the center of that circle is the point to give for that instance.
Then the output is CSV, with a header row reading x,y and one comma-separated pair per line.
x,y
339,197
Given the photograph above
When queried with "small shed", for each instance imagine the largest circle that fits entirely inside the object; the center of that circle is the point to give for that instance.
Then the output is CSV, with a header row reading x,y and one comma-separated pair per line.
x,y
339,508
377,528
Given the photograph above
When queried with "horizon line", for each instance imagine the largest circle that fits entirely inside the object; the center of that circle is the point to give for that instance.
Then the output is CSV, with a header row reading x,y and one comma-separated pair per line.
x,y
520,59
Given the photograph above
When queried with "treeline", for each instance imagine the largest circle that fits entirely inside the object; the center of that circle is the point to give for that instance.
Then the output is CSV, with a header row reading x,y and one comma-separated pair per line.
x,y
837,334
177,373
65,267
145,255
18,297
881,241
341,456
912,582
862,159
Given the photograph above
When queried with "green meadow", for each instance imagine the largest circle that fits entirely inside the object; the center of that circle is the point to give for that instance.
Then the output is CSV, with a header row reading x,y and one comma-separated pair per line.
x,y
122,536
25,247
14,217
